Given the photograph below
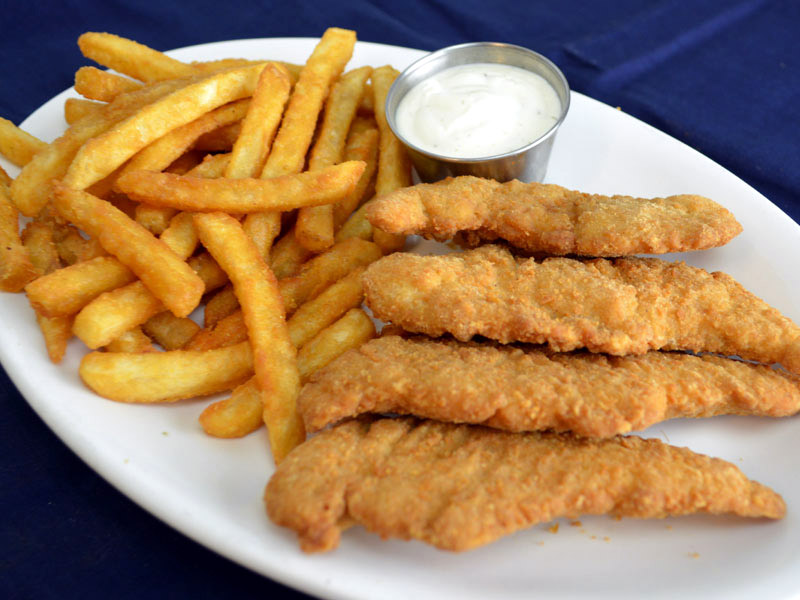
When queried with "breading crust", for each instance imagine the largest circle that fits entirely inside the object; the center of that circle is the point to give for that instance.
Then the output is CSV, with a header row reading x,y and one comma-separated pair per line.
x,y
460,486
622,306
527,389
538,217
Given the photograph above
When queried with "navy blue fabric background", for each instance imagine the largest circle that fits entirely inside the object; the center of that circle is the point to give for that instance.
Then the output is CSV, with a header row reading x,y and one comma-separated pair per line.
x,y
721,75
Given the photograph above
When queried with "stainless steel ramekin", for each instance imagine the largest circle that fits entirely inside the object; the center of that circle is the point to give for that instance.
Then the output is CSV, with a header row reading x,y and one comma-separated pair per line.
x,y
528,163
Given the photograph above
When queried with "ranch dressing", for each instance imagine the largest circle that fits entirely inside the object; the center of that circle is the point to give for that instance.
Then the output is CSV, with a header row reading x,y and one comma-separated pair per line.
x,y
478,110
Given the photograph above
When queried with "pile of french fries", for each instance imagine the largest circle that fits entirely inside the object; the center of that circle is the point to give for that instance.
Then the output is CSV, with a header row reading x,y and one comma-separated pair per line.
x,y
235,186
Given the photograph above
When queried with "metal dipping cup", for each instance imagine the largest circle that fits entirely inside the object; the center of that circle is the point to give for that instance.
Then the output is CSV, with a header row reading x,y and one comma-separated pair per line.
x,y
528,163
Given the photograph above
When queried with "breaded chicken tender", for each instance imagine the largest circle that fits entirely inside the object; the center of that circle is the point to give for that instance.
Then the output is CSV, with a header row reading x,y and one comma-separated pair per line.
x,y
622,306
460,486
547,218
528,389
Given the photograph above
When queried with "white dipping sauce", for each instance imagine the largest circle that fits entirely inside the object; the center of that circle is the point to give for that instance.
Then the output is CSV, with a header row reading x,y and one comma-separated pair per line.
x,y
477,110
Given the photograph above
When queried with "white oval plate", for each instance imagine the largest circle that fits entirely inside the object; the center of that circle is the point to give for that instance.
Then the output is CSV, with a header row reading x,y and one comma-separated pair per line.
x,y
211,489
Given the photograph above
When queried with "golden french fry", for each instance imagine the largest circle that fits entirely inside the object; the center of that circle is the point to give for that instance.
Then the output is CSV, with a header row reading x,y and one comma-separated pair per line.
x,y
154,218
92,83
300,119
169,331
99,156
394,164
361,145
236,416
31,189
165,150
111,314
229,330
314,228
313,316
186,192
260,123
367,104
16,268
164,273
16,145
131,58
220,140
220,306
76,109
38,238
133,340
351,331
241,413
321,271
180,236
5,180
185,162
250,151
273,352
57,332
288,255
166,376
356,227
65,291
73,248
213,166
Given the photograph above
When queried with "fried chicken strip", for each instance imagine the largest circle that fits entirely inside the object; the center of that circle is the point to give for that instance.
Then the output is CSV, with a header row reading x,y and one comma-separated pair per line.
x,y
622,306
528,389
460,486
538,217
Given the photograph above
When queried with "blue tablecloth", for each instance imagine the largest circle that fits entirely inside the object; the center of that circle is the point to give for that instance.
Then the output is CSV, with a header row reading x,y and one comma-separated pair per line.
x,y
721,75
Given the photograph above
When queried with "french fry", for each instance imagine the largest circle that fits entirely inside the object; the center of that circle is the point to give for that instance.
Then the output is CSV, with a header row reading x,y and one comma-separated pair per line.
x,y
154,218
164,273
166,376
288,255
259,125
65,291
313,316
165,150
324,269
169,331
351,331
31,189
213,166
101,155
223,303
250,150
57,332
314,228
356,226
94,84
361,145
240,414
394,164
76,109
294,136
131,58
229,330
16,268
73,248
113,313
190,193
5,180
236,416
134,340
16,145
273,352
220,140
38,238
185,162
